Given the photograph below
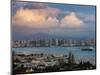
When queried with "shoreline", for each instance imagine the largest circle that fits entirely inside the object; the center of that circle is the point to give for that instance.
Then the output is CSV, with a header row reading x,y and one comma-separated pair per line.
x,y
40,63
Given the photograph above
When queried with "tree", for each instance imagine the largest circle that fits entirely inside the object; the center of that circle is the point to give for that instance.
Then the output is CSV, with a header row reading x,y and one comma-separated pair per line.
x,y
71,59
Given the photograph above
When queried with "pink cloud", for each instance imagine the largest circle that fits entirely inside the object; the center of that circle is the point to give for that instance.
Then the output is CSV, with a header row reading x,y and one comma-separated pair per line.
x,y
44,18
36,18
71,20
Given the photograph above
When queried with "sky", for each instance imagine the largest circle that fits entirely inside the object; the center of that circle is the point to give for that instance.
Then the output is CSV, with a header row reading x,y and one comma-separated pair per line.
x,y
36,20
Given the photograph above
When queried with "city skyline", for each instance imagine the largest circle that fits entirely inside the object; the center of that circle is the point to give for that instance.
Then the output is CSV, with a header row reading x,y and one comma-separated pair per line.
x,y
32,20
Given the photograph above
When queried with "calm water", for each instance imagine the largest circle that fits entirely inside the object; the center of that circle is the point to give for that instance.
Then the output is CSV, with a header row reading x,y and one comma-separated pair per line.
x,y
79,54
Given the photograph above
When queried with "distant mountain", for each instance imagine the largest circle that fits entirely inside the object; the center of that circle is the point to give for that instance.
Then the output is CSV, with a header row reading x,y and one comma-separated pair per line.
x,y
41,35
33,36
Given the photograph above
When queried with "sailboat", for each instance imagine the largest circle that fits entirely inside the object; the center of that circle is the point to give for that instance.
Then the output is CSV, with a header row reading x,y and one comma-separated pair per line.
x,y
89,48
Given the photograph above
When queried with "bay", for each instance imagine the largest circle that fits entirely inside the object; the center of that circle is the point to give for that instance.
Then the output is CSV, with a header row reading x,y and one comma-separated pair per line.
x,y
78,53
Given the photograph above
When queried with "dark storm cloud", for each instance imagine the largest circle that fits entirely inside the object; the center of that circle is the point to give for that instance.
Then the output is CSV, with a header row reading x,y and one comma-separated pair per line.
x,y
35,6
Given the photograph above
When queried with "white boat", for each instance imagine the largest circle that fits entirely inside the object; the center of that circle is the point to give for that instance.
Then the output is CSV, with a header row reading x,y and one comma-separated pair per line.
x,y
87,49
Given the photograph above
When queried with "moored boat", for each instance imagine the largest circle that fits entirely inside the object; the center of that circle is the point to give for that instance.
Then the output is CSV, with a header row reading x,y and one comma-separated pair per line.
x,y
87,49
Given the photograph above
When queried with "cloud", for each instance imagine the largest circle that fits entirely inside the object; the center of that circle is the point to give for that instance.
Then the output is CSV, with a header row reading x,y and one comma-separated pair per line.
x,y
86,17
36,18
52,22
45,18
89,18
71,20
36,5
